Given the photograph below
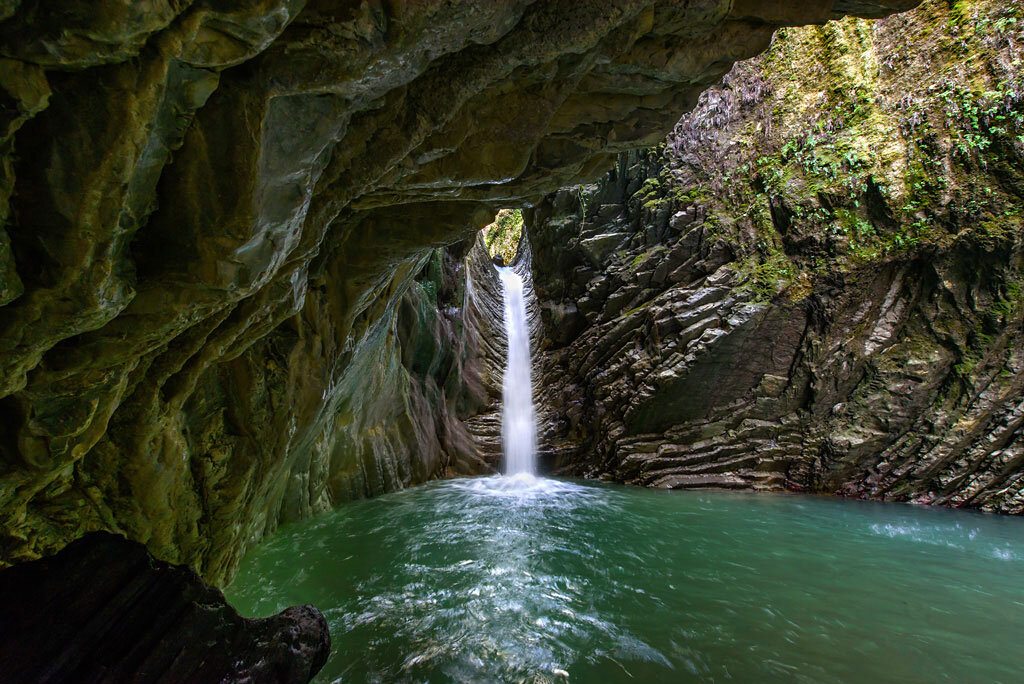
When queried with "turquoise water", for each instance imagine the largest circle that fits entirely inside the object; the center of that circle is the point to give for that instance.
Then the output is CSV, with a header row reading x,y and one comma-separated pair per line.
x,y
517,579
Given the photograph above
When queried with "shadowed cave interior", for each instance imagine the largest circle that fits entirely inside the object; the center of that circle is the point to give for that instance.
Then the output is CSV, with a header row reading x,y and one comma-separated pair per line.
x,y
397,322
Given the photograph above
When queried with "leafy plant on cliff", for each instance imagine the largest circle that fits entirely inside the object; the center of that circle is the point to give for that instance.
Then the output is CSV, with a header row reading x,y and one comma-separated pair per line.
x,y
856,143
503,235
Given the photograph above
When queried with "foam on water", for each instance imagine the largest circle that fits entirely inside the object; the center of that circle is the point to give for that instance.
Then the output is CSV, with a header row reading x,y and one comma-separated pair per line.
x,y
522,485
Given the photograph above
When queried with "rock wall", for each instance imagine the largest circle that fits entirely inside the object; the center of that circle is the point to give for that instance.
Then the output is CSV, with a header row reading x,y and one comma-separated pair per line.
x,y
486,314
815,283
212,212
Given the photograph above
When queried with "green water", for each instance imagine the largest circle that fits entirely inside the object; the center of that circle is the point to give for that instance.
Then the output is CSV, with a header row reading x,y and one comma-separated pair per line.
x,y
498,580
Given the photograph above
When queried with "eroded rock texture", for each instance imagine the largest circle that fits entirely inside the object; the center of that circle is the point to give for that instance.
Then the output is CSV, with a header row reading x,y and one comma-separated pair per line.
x,y
213,213
104,610
485,311
815,284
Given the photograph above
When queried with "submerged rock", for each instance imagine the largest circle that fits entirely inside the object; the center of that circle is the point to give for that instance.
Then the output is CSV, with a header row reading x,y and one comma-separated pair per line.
x,y
104,610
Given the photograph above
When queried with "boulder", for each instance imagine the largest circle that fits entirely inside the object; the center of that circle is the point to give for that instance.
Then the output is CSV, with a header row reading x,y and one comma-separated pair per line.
x,y
104,610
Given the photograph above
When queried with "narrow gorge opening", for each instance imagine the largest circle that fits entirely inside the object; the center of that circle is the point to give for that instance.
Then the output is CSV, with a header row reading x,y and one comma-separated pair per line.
x,y
503,236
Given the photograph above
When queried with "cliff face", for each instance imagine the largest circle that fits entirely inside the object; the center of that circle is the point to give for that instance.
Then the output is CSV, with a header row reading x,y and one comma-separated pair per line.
x,y
815,283
215,213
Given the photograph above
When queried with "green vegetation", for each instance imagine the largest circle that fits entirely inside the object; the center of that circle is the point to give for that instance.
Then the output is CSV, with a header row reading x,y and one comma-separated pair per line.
x,y
768,278
432,275
584,194
643,256
864,148
502,237
650,194
847,145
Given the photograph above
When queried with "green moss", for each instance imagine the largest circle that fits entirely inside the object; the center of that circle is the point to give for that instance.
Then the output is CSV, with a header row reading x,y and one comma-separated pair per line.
x,y
636,310
872,141
768,276
1010,304
502,237
644,256
651,194
1002,228
689,196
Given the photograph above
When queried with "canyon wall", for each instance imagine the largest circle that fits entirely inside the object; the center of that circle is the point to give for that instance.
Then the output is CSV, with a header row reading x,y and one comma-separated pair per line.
x,y
215,213
815,283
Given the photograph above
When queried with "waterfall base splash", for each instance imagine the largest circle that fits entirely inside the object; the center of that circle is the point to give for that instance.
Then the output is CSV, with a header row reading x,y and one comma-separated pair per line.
x,y
523,485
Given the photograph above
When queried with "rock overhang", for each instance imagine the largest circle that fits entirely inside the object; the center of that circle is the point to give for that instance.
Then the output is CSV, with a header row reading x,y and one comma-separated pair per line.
x,y
200,178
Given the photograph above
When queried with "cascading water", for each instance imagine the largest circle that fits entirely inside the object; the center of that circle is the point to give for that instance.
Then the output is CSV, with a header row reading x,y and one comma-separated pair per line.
x,y
518,422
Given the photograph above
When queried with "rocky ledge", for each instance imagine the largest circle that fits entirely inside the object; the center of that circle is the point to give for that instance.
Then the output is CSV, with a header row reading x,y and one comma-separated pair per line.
x,y
104,610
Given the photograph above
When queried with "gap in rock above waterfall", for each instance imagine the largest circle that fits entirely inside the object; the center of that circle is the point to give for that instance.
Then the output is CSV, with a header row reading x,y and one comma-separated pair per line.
x,y
503,235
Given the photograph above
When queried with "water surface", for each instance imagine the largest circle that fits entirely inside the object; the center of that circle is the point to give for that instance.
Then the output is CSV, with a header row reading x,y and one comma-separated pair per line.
x,y
523,579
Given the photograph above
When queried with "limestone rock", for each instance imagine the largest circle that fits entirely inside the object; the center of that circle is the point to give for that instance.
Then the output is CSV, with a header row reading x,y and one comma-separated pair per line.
x,y
837,305
218,214
599,247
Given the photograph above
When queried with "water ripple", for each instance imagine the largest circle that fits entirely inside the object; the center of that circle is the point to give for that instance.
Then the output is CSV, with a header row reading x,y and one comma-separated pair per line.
x,y
538,580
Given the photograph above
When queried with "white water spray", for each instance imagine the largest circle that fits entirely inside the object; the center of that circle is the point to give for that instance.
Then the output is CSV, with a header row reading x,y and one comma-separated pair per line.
x,y
518,423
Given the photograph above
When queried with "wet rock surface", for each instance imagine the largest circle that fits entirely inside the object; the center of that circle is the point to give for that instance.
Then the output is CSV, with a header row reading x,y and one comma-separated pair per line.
x,y
213,215
104,610
486,321
814,284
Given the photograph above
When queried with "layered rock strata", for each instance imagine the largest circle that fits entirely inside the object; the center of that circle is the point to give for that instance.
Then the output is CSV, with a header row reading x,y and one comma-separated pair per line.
x,y
212,212
485,314
815,284
104,610
487,321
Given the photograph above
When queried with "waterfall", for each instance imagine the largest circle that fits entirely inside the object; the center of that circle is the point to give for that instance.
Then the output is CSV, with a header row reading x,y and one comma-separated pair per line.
x,y
518,424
